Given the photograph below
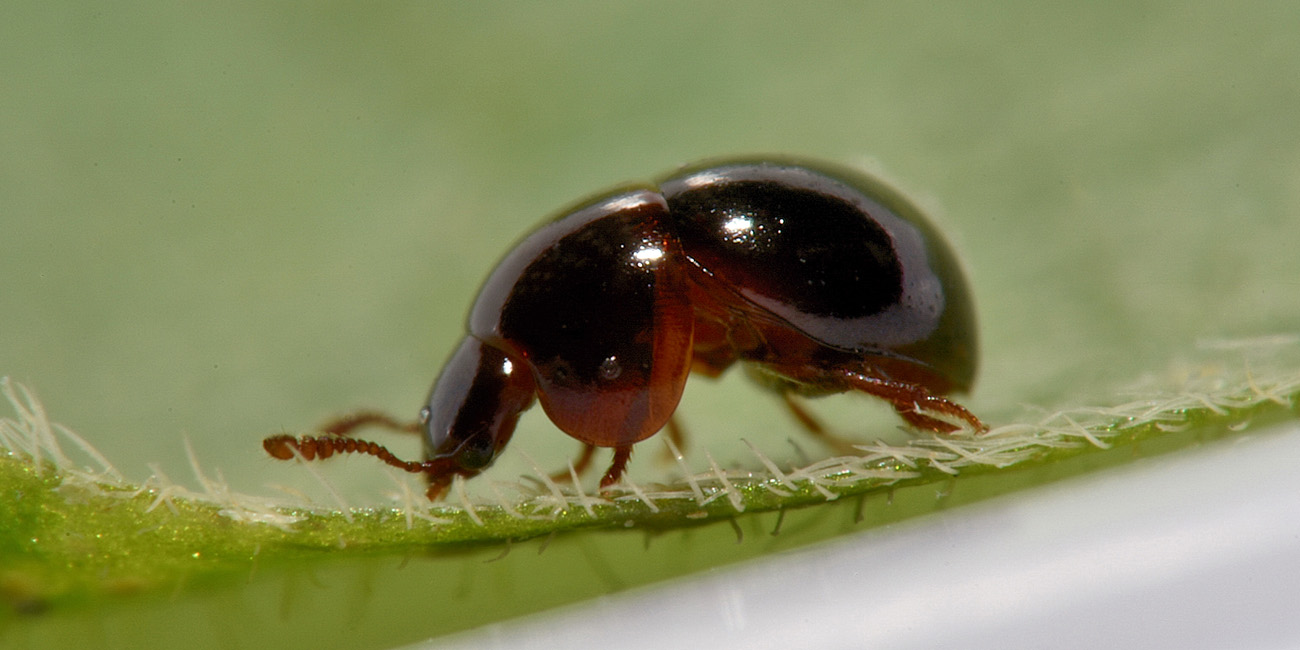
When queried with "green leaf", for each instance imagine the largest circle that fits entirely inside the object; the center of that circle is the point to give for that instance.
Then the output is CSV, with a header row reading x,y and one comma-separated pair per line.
x,y
78,537
219,223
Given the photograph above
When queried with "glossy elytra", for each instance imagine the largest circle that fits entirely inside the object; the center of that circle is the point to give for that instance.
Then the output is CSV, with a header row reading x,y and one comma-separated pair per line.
x,y
818,279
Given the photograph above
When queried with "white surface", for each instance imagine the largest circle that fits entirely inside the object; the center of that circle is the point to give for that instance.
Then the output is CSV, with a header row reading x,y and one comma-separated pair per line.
x,y
1200,549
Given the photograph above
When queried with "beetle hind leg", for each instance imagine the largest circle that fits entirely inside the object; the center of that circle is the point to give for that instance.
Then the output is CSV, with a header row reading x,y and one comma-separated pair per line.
x,y
916,405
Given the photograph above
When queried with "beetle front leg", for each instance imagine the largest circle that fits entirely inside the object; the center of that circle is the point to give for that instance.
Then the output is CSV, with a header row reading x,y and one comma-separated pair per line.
x,y
345,425
616,468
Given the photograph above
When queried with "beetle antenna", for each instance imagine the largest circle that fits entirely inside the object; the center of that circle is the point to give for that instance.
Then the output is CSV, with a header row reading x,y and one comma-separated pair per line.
x,y
282,447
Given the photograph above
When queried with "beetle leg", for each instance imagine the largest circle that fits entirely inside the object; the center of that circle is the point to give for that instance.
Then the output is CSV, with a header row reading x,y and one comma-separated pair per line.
x,y
579,466
345,425
615,471
438,485
814,426
675,433
913,415
913,402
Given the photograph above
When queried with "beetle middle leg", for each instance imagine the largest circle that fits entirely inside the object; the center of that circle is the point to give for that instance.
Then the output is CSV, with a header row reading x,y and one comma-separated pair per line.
x,y
675,433
579,466
612,475
814,427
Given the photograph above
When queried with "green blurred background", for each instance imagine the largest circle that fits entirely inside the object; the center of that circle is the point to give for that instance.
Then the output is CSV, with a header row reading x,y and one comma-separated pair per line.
x,y
221,222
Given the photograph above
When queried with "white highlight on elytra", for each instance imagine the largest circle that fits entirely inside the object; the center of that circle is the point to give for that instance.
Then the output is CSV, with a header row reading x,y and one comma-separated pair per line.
x,y
648,254
736,225
625,202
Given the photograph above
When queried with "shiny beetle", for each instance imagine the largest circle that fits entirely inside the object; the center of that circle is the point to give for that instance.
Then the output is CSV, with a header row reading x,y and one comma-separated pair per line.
x,y
821,279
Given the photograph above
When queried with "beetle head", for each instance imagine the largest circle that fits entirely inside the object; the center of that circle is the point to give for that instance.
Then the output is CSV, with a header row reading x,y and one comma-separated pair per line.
x,y
473,408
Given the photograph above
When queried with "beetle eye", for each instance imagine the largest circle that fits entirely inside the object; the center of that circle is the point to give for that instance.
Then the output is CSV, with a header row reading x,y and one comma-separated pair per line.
x,y
477,452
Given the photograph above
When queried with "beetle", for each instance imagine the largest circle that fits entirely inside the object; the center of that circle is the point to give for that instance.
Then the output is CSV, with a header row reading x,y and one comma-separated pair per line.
x,y
818,278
